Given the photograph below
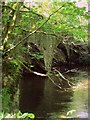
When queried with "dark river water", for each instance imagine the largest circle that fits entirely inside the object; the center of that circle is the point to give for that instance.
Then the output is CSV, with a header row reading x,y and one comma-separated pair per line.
x,y
40,96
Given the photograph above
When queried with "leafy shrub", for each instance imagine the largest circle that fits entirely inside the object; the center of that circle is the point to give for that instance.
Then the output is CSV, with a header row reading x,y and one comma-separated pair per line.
x,y
26,116
5,99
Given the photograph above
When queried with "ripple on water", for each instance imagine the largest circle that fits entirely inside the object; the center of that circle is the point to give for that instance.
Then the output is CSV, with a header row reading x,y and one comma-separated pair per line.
x,y
82,115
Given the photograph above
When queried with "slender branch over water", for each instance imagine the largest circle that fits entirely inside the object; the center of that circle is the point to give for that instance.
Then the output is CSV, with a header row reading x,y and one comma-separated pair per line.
x,y
47,75
61,75
34,30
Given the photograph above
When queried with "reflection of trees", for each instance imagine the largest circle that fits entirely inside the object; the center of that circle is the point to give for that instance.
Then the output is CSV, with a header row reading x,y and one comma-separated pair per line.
x,y
80,96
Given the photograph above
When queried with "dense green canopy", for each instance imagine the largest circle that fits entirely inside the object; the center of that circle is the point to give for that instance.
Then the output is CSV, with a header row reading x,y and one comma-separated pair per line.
x,y
45,24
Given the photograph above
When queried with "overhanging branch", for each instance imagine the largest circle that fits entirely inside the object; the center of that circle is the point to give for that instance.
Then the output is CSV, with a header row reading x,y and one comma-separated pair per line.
x,y
34,30
40,74
28,10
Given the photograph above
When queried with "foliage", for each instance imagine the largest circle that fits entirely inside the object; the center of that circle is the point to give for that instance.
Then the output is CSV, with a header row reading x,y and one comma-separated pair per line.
x,y
11,72
11,76
9,94
45,24
26,116
63,19
37,56
5,99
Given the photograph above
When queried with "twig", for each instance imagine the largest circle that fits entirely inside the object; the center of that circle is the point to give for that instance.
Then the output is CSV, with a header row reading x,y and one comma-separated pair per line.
x,y
54,82
69,82
45,33
7,6
32,11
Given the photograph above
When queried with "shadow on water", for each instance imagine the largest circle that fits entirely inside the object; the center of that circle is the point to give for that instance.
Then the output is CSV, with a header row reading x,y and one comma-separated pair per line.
x,y
40,96
31,92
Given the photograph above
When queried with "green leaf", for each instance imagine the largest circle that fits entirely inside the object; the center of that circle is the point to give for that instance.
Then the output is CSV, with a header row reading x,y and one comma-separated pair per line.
x,y
31,115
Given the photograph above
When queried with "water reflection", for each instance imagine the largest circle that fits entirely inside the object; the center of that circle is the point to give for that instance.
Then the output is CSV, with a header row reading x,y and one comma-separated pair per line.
x,y
39,95
80,96
31,92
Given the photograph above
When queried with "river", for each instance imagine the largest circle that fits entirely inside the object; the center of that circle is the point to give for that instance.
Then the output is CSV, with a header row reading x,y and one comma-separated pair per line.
x,y
40,96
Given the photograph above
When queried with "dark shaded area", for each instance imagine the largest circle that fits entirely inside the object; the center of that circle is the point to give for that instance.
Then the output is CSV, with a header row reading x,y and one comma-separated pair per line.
x,y
31,92
62,47
79,55
38,64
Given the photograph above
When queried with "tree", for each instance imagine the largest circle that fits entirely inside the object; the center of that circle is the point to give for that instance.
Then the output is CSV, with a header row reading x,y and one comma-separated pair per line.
x,y
54,21
45,24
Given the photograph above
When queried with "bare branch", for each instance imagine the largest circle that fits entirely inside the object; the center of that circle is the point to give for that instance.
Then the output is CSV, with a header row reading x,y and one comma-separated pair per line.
x,y
61,75
7,6
34,72
54,82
